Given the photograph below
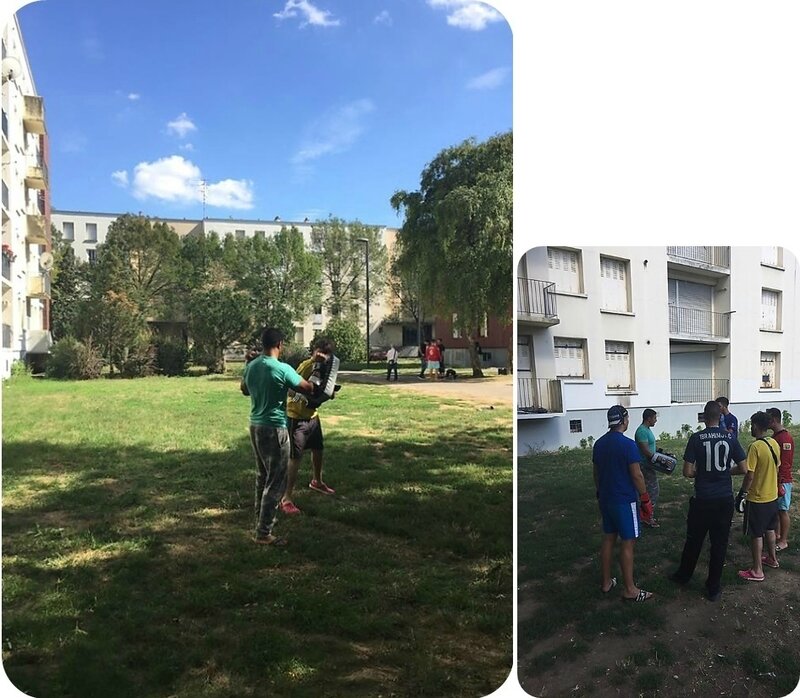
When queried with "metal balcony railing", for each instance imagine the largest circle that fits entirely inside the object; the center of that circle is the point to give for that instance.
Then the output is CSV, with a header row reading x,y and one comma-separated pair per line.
x,y
7,336
5,123
5,196
536,297
539,395
714,256
6,268
701,324
698,389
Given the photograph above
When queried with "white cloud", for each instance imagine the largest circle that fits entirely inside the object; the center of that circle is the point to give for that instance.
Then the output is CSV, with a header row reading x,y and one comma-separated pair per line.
x,y
311,14
186,146
134,96
489,80
334,132
120,177
383,18
467,14
179,180
181,125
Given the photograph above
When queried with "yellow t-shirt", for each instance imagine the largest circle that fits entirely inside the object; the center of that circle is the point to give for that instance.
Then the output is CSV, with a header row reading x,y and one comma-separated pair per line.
x,y
764,487
296,406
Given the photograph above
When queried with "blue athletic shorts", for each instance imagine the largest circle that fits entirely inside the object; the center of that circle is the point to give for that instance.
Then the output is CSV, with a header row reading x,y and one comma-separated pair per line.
x,y
786,500
622,519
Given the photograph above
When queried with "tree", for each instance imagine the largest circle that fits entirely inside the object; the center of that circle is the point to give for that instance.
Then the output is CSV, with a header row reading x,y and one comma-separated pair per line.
x,y
218,317
347,338
404,289
343,262
68,287
458,234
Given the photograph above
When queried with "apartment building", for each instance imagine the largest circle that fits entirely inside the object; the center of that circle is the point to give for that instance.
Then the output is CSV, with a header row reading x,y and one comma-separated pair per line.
x,y
86,230
662,327
25,209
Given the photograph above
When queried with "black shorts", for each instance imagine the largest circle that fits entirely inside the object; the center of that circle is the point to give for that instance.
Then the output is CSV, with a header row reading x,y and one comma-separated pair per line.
x,y
303,434
760,517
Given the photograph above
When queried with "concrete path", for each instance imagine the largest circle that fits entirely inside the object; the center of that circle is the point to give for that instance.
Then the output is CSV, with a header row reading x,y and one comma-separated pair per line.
x,y
493,390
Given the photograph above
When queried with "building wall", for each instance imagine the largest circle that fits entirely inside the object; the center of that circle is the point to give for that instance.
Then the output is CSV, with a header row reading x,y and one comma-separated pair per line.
x,y
25,315
736,293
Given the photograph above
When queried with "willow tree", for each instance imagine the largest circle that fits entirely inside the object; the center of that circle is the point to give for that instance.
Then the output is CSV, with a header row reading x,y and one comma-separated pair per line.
x,y
457,234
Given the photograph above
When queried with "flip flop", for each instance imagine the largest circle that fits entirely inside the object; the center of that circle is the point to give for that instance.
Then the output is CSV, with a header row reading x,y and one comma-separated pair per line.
x,y
748,576
613,584
774,564
642,596
781,547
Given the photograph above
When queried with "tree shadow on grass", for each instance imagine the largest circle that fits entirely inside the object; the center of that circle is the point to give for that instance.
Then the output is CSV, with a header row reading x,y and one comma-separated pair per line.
x,y
133,569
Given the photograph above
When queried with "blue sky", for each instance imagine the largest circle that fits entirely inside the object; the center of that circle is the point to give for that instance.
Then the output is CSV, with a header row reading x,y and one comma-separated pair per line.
x,y
290,108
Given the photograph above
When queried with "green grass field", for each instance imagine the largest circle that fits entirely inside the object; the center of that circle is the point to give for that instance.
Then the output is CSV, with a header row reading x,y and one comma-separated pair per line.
x,y
129,569
574,640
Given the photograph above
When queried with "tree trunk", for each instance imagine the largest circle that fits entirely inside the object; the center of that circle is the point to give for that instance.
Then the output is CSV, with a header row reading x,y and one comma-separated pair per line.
x,y
510,359
475,358
217,363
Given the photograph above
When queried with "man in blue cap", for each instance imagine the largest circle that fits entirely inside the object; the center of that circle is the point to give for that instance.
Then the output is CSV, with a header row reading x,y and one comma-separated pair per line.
x,y
620,491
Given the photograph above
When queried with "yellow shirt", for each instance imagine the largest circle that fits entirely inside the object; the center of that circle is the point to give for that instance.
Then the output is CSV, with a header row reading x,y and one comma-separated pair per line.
x,y
296,406
760,462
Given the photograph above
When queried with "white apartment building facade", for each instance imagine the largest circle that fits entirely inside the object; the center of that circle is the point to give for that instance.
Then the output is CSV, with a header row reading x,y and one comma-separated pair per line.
x,y
25,209
667,328
87,230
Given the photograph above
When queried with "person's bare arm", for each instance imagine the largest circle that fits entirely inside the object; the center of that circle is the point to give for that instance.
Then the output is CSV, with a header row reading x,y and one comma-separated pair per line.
x,y
243,388
689,469
644,448
740,469
748,480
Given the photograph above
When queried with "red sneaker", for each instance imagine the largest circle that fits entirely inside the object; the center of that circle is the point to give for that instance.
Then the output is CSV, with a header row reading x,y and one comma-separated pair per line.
x,y
289,508
320,486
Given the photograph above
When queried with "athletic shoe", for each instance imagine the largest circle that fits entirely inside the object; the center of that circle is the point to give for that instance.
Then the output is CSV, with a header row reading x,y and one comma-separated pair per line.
x,y
276,541
289,508
320,486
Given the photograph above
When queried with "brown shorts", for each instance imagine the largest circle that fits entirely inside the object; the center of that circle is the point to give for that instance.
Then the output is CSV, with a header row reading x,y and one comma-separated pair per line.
x,y
760,517
303,434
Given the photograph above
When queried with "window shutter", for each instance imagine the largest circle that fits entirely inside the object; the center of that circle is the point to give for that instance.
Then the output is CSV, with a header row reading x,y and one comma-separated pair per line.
x,y
769,309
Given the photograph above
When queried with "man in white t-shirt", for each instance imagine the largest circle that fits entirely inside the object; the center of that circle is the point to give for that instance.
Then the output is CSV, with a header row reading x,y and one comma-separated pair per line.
x,y
391,362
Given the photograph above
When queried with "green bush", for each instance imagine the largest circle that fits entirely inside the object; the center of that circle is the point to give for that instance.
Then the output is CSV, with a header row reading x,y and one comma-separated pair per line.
x,y
139,360
74,360
293,354
787,417
20,369
172,357
348,339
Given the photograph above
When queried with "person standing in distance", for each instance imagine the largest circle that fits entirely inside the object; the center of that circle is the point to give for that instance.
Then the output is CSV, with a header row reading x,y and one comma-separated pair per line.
x,y
267,381
619,484
707,459
728,420
786,442
391,362
646,441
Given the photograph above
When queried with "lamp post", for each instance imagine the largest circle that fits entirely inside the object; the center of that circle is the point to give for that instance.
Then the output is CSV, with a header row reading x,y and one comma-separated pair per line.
x,y
366,250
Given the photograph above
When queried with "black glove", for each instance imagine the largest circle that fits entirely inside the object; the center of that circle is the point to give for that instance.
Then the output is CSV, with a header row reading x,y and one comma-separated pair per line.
x,y
739,501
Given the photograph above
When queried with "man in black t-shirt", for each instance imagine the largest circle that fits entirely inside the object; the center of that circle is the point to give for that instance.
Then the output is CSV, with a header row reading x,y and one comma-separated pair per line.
x,y
707,459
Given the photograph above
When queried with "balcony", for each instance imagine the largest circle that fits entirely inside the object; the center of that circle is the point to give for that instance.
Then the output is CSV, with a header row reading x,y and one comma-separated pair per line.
x,y
39,287
7,336
36,230
539,396
537,303
4,123
696,325
698,389
33,116
38,341
36,176
711,259
6,268
5,196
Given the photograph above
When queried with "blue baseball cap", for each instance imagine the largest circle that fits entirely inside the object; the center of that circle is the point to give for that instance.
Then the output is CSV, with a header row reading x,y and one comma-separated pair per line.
x,y
616,415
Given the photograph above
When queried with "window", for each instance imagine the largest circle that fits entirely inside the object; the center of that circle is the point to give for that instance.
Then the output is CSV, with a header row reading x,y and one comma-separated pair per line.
x,y
92,256
91,232
240,234
68,230
565,269
614,284
770,309
575,426
456,330
770,369
261,234
619,370
773,256
570,357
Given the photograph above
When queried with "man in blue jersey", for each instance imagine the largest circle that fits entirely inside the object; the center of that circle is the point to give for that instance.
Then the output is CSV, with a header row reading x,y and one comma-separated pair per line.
x,y
708,459
728,420
267,381
619,484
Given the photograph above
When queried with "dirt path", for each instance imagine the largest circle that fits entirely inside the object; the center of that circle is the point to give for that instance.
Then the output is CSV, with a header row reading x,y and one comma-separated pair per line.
x,y
494,390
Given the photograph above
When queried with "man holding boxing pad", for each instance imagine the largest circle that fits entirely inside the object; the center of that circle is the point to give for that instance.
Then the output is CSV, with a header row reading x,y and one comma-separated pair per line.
x,y
708,459
619,484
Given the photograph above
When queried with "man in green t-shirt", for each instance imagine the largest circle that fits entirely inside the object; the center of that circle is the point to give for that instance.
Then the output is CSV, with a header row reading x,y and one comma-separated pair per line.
x,y
267,381
646,441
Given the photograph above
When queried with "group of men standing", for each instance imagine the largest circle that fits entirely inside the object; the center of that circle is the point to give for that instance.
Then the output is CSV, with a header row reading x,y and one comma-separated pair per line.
x,y
627,491
280,434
